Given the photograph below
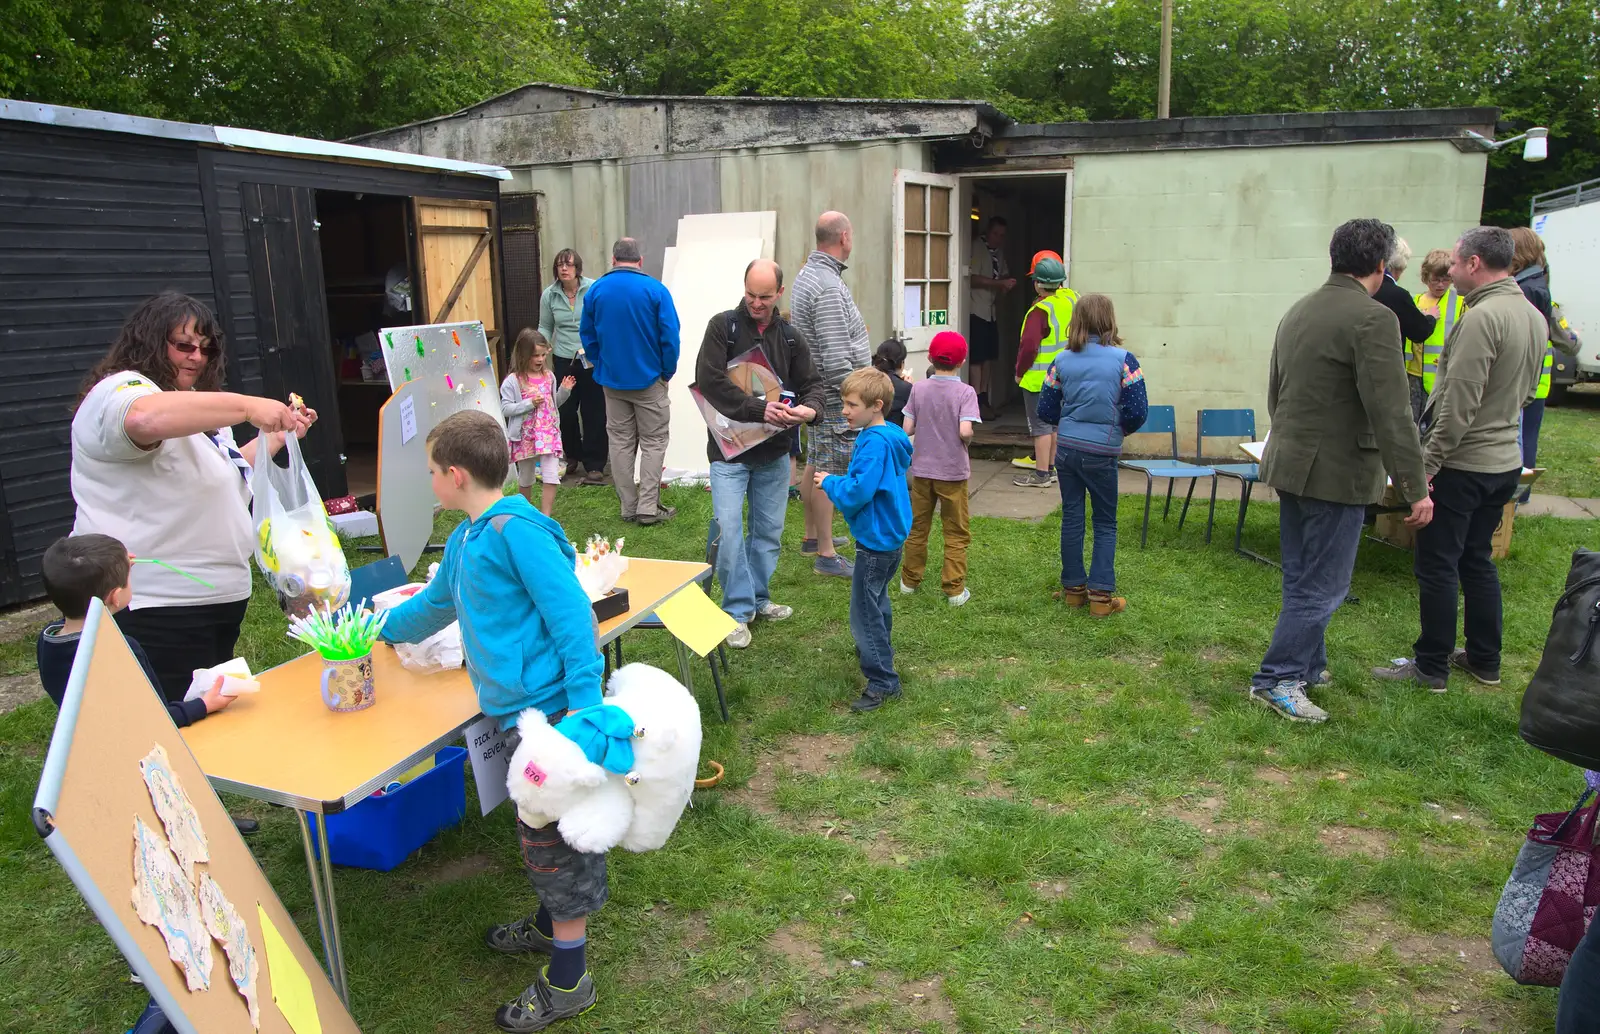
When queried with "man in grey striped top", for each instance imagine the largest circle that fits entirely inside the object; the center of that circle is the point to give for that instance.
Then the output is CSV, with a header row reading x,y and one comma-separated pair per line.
x,y
822,309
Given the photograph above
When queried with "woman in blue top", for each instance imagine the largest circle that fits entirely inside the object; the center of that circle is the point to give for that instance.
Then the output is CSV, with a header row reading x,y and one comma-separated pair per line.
x,y
1094,394
583,415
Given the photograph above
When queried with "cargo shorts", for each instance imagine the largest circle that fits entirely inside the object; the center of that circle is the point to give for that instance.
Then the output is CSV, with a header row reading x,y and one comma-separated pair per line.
x,y
570,883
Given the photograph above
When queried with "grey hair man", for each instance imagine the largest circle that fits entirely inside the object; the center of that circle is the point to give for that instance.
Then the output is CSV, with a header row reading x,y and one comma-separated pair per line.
x,y
1488,372
826,316
1336,394
629,330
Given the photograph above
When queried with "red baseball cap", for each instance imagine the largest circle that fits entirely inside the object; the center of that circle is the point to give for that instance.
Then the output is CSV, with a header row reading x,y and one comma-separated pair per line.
x,y
947,349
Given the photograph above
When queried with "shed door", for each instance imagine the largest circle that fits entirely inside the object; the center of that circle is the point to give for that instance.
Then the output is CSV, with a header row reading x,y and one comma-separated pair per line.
x,y
926,256
292,317
522,266
455,249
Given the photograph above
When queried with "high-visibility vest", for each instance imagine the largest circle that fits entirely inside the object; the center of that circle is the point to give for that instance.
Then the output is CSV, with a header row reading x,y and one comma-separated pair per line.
x,y
1543,391
1057,309
1451,306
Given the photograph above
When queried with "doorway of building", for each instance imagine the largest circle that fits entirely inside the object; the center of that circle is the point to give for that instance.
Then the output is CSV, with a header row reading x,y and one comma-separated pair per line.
x,y
1036,210
367,270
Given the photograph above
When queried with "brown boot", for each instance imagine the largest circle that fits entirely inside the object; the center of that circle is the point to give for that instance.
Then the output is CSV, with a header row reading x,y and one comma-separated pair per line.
x,y
1103,604
1077,596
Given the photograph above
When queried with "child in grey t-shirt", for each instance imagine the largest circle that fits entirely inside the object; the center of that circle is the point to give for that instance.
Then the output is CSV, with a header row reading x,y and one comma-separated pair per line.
x,y
939,415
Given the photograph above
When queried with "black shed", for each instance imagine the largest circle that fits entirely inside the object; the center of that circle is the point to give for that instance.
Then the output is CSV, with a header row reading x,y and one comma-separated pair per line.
x,y
303,248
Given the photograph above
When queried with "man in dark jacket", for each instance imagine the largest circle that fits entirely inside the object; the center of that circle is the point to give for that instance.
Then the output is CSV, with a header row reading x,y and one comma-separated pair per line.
x,y
1338,401
1416,326
760,474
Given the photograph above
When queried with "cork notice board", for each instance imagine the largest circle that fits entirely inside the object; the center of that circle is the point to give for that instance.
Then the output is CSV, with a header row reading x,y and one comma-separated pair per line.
x,y
90,793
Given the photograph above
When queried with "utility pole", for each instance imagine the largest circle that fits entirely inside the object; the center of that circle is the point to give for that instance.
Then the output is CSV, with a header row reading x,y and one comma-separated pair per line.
x,y
1164,91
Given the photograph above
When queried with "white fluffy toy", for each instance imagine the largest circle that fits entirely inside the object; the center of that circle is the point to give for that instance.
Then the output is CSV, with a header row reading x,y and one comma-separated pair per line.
x,y
637,796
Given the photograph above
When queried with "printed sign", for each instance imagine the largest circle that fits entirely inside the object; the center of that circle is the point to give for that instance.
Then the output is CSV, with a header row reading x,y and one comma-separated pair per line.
x,y
491,761
408,419
938,317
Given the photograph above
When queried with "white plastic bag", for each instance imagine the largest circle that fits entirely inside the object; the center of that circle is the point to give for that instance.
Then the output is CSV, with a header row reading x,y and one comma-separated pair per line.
x,y
440,651
297,547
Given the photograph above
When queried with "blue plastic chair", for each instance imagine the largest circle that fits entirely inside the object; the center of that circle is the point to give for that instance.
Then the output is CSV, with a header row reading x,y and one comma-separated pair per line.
x,y
1231,423
379,576
1164,420
650,621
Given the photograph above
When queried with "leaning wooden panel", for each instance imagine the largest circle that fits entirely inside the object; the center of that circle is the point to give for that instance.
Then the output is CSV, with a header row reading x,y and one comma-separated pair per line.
x,y
89,795
455,241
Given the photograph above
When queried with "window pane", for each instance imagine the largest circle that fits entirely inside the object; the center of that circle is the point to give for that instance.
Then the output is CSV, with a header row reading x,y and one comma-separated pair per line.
x,y
916,207
939,209
938,256
938,296
916,257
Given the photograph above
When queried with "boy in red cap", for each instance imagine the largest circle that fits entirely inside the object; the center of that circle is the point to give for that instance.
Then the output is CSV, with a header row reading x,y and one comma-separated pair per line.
x,y
940,414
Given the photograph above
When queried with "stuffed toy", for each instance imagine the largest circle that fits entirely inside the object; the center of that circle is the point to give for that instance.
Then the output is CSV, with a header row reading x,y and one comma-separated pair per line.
x,y
620,772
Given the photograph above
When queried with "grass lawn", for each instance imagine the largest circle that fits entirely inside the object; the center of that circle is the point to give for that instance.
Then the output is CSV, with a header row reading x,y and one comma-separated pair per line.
x,y
1065,824
1569,445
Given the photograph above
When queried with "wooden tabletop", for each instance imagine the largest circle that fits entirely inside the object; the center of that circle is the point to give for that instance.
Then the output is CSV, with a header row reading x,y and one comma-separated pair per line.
x,y
284,746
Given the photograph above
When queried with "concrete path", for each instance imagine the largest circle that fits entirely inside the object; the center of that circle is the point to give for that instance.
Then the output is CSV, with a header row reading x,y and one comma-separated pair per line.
x,y
993,495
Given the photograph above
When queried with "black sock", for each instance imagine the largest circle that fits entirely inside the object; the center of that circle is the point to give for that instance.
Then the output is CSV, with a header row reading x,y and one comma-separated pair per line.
x,y
567,964
541,921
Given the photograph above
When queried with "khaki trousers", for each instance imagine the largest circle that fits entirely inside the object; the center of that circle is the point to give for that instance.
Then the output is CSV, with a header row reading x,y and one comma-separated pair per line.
x,y
636,429
951,499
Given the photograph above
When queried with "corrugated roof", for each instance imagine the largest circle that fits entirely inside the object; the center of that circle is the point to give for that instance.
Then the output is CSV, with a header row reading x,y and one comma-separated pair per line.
x,y
235,139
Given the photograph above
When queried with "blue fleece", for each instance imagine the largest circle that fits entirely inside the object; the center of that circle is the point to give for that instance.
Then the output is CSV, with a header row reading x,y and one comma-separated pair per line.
x,y
629,330
873,496
526,623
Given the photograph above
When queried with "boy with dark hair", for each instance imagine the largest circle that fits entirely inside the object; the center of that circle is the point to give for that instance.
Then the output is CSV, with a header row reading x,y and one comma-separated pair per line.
x,y
507,576
77,570
875,502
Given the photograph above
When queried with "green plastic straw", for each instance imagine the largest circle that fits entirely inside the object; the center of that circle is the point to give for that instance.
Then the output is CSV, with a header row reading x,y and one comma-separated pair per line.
x,y
175,570
342,635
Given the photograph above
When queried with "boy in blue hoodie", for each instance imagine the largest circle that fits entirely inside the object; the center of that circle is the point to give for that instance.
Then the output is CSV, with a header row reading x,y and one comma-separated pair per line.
x,y
528,630
876,502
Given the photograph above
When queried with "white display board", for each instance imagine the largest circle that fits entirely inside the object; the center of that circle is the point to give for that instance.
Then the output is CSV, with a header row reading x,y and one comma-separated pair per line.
x,y
451,362
405,493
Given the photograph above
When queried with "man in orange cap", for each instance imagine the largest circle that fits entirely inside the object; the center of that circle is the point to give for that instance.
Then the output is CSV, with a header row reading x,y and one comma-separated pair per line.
x,y
1041,255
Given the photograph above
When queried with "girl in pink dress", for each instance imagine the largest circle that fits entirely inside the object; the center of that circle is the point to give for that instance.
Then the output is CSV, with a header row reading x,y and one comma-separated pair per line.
x,y
531,402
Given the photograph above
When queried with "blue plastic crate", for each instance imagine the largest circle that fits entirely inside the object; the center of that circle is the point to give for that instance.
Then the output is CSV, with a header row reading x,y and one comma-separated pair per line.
x,y
382,831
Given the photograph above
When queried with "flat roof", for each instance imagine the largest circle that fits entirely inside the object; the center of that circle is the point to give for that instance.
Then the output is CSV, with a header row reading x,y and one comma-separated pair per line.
x,y
234,139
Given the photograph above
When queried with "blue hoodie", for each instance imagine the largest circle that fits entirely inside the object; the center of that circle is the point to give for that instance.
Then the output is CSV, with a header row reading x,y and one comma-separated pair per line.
x,y
629,330
526,623
873,496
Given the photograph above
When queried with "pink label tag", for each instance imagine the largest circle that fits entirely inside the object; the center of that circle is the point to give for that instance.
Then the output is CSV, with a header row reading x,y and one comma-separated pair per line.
x,y
535,774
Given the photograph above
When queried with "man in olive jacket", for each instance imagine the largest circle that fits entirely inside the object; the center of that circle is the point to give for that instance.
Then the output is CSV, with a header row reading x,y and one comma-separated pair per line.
x,y
1488,372
1341,414
759,475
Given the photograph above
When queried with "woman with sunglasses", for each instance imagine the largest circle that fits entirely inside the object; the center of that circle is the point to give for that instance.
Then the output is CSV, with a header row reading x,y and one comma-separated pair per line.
x,y
154,464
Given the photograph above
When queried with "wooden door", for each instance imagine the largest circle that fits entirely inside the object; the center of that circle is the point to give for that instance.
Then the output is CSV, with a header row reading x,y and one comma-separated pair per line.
x,y
456,254
926,279
292,317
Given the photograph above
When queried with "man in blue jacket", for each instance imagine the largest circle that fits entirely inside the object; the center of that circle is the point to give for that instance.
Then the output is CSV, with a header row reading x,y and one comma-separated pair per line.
x,y
629,331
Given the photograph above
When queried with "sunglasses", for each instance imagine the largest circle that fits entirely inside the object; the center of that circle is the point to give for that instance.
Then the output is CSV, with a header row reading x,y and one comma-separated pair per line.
x,y
209,351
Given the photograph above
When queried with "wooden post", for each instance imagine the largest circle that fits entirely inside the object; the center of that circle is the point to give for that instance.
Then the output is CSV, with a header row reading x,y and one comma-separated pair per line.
x,y
1164,91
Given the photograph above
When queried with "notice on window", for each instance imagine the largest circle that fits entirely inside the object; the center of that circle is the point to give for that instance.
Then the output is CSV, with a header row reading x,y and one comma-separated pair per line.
x,y
408,419
913,306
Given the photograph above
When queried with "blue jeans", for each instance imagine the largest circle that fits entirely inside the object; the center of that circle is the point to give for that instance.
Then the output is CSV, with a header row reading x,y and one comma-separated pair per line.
x,y
1528,439
1319,540
1076,473
745,562
1578,1008
871,620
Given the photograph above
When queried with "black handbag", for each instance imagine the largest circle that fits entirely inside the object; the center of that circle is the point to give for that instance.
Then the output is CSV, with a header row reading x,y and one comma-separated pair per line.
x,y
1561,708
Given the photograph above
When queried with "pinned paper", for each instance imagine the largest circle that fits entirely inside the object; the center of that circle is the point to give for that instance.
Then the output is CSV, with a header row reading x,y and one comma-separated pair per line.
x,y
420,350
694,620
291,988
449,383
389,338
456,337
481,382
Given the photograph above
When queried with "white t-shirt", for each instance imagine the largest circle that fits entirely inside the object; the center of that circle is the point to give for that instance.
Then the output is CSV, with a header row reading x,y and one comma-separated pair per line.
x,y
987,262
183,501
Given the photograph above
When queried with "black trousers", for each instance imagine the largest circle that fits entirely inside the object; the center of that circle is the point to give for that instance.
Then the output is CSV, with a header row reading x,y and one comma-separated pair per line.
x,y
180,639
1452,553
583,417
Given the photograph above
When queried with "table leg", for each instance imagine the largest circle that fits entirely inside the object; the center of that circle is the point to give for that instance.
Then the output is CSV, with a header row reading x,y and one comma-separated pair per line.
x,y
335,973
685,665
335,946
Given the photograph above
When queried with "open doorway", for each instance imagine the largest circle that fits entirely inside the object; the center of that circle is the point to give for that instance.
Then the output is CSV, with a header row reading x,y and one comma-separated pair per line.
x,y
1036,214
367,271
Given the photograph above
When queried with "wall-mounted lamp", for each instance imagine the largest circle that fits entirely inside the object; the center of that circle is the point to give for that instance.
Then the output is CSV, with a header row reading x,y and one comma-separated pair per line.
x,y
1535,147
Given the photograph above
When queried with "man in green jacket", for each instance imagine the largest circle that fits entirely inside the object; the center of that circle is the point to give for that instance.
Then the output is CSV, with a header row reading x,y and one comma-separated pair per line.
x,y
1341,414
1489,371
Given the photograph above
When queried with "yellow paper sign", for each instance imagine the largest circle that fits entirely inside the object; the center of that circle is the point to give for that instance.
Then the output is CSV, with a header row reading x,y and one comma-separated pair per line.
x,y
291,988
697,622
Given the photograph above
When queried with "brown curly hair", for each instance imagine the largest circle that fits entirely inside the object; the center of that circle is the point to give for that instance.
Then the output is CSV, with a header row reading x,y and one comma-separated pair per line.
x,y
141,344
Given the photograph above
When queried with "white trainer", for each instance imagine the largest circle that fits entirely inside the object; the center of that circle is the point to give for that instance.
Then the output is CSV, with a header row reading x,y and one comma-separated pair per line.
x,y
775,612
960,599
739,638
